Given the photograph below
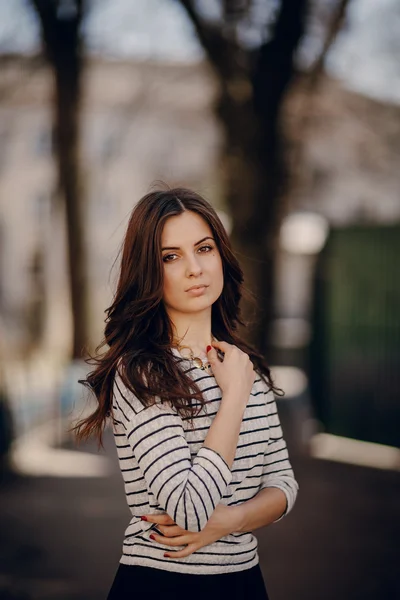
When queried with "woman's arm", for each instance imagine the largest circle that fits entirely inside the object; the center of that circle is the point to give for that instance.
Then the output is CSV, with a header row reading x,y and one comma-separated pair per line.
x,y
277,494
188,491
187,488
277,470
265,508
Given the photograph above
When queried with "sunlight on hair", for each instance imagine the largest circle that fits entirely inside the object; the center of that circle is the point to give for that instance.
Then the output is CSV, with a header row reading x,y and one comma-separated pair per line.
x,y
365,454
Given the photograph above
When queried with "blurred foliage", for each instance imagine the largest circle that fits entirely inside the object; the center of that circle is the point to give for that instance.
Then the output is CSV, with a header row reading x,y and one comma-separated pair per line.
x,y
355,366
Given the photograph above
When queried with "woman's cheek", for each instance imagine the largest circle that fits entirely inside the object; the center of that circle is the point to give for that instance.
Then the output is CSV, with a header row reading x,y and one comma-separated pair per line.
x,y
171,286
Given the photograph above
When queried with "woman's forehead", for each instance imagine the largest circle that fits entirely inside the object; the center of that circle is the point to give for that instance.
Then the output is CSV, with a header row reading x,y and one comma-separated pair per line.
x,y
186,228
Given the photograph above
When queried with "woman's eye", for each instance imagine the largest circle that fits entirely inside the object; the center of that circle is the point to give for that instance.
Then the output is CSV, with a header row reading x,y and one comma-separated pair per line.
x,y
168,257
203,249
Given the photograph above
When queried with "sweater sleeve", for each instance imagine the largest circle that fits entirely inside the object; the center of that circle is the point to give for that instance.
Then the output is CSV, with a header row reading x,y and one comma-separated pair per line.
x,y
187,491
277,470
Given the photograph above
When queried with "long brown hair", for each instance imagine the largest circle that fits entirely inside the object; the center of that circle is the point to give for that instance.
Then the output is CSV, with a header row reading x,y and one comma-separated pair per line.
x,y
138,331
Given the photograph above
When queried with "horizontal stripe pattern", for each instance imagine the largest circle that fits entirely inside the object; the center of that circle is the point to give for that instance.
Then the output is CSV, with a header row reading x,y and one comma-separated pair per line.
x,y
167,468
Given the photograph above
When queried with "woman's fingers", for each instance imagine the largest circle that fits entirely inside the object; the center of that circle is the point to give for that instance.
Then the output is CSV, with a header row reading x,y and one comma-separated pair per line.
x,y
171,530
218,351
161,519
224,346
182,553
169,541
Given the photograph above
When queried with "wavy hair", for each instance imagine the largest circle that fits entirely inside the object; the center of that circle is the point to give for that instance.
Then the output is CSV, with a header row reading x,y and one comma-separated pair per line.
x,y
138,332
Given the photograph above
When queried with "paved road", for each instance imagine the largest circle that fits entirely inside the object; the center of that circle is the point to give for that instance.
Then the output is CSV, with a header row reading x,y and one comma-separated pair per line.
x,y
61,538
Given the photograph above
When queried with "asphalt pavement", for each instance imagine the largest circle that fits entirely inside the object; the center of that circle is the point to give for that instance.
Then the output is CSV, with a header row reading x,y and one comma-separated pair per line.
x,y
61,537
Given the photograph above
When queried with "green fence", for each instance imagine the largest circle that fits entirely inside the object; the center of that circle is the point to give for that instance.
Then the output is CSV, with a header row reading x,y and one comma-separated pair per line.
x,y
355,353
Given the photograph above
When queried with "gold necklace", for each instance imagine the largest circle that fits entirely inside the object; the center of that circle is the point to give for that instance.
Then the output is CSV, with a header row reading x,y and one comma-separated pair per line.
x,y
196,360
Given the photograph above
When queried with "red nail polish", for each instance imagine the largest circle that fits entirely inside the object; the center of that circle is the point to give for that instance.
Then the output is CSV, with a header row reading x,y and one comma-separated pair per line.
x,y
144,518
209,348
167,555
152,537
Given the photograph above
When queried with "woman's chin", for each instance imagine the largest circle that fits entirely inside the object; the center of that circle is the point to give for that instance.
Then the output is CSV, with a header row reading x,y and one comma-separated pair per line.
x,y
193,307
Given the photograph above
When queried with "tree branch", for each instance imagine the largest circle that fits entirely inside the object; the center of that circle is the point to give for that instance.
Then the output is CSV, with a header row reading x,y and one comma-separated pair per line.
x,y
221,52
333,30
274,67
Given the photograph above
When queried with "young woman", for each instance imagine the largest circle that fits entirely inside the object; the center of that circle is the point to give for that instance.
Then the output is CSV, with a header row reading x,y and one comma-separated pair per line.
x,y
195,422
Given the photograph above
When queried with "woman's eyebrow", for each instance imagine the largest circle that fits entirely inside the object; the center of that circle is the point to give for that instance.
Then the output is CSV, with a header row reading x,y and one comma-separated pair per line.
x,y
208,237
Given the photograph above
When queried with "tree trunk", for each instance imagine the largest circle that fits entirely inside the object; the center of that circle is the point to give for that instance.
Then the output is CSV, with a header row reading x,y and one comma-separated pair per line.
x,y
254,165
253,184
61,37
66,122
253,86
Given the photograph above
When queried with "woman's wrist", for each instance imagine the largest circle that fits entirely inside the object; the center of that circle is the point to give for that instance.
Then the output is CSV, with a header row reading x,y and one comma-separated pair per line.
x,y
237,518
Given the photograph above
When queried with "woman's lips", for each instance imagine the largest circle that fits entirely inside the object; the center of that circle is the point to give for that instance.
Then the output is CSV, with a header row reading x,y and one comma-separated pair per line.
x,y
197,291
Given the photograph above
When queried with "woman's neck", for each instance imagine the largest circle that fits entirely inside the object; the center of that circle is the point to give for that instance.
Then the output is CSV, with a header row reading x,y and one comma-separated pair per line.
x,y
191,330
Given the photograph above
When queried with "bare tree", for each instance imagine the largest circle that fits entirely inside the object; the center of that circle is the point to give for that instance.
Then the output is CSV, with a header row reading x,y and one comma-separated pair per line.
x,y
253,80
252,51
60,26
253,83
312,79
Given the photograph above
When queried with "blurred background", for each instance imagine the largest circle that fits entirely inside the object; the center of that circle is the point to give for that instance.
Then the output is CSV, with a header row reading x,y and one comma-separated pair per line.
x,y
285,114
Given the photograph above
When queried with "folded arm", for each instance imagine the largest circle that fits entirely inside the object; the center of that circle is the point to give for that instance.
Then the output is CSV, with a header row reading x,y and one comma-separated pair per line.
x,y
188,492
187,488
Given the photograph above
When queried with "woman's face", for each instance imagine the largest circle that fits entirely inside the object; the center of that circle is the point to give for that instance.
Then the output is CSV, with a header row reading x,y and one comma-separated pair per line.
x,y
193,276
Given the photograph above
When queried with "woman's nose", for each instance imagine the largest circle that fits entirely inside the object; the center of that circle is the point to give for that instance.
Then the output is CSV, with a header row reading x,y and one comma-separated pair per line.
x,y
193,266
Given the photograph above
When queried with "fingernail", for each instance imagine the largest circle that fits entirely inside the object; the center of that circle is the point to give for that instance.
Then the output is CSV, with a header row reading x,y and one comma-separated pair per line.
x,y
144,518
167,555
152,537
209,348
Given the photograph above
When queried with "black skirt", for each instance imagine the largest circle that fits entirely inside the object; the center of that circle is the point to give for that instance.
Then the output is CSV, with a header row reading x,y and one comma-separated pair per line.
x,y
137,583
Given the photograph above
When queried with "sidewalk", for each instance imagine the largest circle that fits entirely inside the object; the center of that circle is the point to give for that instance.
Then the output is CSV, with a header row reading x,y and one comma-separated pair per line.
x,y
61,537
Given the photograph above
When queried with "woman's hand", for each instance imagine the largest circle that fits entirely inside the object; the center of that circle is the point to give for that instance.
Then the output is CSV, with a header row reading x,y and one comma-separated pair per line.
x,y
222,522
235,374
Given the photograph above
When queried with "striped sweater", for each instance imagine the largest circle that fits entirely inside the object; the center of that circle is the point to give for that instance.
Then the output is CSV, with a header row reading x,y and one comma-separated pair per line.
x,y
166,468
